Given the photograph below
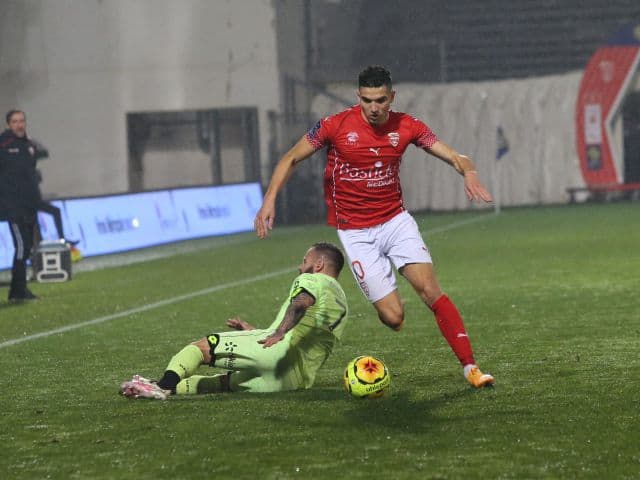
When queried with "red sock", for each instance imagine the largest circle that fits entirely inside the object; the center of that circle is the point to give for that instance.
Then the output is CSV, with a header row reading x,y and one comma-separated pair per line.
x,y
452,328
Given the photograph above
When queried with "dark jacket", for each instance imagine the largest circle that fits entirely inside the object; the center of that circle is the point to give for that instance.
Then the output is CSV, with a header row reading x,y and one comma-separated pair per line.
x,y
19,191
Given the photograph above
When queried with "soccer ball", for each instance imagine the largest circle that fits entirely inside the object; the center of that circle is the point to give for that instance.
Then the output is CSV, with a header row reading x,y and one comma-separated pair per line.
x,y
366,377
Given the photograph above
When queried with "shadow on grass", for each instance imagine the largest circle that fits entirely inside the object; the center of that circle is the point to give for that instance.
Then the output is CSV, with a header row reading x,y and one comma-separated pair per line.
x,y
400,412
396,410
319,407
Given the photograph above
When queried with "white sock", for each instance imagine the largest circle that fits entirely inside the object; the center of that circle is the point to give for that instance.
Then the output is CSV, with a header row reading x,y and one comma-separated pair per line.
x,y
468,367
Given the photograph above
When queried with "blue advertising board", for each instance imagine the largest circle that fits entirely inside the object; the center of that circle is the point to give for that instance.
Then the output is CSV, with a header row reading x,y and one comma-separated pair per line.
x,y
118,223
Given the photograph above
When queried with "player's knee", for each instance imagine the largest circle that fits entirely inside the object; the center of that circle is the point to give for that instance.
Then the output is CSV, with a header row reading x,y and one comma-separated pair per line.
x,y
394,319
204,347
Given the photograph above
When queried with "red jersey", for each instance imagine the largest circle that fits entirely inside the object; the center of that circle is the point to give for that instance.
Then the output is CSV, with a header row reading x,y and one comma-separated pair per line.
x,y
361,179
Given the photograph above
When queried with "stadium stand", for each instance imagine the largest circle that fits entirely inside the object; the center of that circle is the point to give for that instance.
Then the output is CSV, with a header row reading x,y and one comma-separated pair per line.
x,y
439,41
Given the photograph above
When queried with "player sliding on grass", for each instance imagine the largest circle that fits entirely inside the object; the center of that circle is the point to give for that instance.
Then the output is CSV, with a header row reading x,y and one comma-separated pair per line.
x,y
284,356
365,144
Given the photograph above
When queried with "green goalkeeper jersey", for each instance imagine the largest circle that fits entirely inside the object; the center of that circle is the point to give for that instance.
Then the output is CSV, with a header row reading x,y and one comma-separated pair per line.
x,y
314,337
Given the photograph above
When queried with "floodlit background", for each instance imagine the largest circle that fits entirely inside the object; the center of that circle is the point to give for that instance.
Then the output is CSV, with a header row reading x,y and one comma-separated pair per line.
x,y
132,95
163,100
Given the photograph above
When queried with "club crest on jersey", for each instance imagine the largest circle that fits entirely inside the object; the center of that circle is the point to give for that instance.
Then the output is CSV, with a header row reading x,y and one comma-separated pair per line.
x,y
352,138
394,138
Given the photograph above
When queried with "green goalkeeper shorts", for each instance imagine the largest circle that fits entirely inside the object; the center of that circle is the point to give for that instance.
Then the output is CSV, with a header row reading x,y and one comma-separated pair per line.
x,y
255,368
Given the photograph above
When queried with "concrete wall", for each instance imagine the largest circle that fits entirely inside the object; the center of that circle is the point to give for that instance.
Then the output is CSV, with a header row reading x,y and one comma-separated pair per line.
x,y
78,66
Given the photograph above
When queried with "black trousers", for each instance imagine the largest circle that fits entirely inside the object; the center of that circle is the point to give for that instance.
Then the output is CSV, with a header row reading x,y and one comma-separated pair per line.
x,y
54,211
22,235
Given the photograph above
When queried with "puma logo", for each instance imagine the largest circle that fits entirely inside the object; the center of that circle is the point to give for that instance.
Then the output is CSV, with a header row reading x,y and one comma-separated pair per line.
x,y
375,150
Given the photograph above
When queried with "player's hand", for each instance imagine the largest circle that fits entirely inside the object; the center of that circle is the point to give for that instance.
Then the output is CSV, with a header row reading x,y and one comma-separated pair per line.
x,y
474,188
272,339
263,222
239,324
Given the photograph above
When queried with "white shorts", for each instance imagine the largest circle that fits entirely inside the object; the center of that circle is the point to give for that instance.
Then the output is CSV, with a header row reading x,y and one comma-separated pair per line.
x,y
372,250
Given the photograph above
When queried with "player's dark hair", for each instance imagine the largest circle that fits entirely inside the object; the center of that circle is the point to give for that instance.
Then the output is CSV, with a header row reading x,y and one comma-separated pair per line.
x,y
332,253
11,113
374,76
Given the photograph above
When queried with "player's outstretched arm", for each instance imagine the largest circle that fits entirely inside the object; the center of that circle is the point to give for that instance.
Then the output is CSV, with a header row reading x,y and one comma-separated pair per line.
x,y
473,188
295,311
265,217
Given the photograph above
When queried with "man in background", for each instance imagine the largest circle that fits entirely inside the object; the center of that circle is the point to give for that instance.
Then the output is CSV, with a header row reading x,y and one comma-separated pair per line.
x,y
19,197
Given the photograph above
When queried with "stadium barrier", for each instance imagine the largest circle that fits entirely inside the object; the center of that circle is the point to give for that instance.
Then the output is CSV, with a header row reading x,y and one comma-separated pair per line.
x,y
605,192
116,223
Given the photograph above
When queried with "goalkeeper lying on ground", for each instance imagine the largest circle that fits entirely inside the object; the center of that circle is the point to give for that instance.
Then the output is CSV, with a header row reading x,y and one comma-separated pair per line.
x,y
284,356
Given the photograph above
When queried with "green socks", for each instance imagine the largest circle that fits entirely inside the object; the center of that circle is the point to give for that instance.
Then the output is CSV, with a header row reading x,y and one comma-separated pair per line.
x,y
183,364
200,384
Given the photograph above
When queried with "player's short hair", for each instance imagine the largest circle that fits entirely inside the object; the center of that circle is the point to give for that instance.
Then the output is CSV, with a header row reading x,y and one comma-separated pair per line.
x,y
374,76
331,253
11,113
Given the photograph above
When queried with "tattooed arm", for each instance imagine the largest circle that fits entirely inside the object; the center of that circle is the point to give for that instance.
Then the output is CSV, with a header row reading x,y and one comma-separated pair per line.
x,y
295,311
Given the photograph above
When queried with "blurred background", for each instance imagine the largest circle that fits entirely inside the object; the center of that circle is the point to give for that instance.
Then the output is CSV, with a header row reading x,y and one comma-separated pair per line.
x,y
137,95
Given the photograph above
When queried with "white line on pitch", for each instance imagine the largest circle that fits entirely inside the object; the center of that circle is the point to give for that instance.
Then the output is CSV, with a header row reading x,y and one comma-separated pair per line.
x,y
198,293
460,223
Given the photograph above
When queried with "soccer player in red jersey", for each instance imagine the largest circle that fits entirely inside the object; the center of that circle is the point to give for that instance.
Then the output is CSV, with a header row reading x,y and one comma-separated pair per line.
x,y
362,189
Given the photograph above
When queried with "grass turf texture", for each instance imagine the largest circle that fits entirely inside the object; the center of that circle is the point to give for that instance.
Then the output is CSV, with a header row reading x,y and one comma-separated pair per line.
x,y
549,297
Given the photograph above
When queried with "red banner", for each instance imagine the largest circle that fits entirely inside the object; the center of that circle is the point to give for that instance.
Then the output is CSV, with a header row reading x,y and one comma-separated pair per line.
x,y
604,85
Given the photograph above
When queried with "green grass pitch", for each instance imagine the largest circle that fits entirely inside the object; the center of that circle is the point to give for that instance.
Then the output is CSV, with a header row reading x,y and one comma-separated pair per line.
x,y
550,298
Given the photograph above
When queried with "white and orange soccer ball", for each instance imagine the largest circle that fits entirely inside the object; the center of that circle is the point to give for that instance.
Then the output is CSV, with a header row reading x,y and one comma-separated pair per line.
x,y
366,377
